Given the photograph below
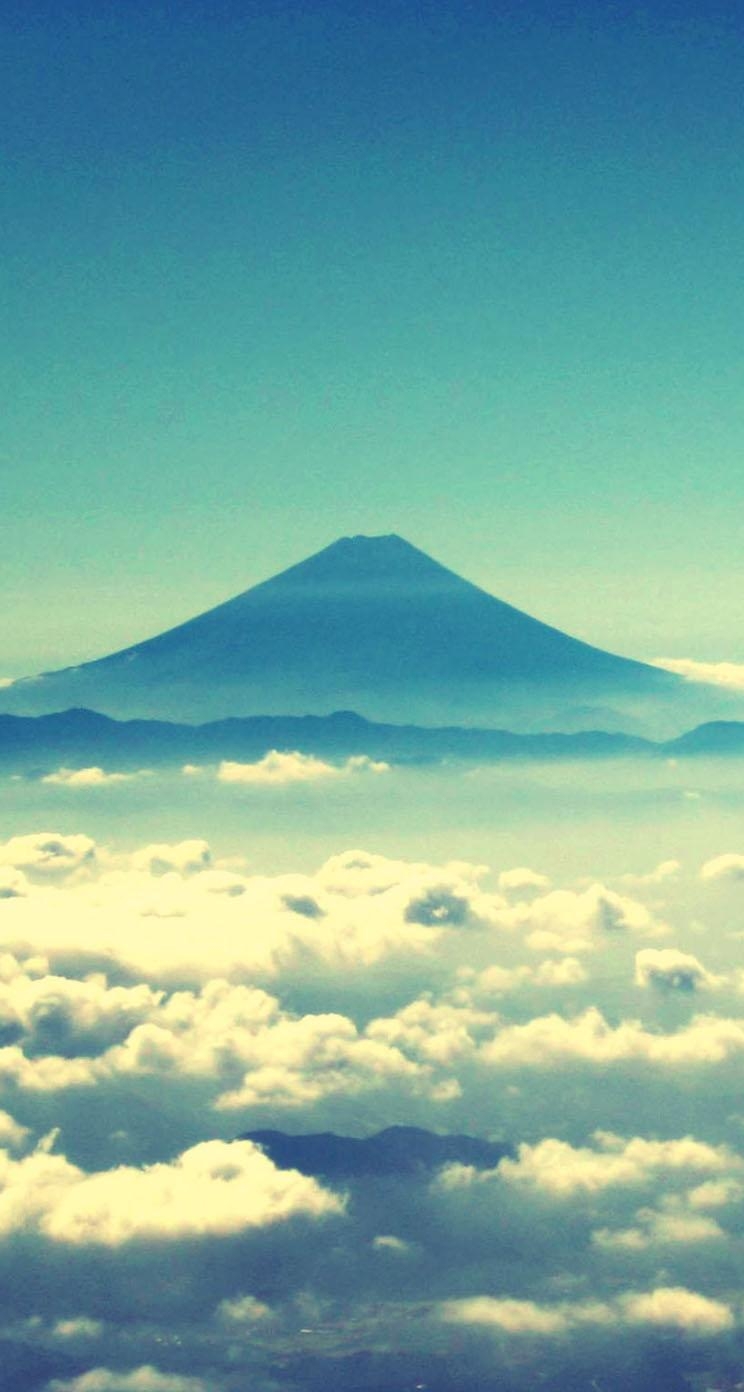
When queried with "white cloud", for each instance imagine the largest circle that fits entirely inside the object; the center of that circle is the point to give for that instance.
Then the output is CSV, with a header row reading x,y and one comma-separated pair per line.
x,y
668,969
387,1242
142,1379
242,1309
555,1167
726,674
569,921
521,877
82,1327
48,854
215,1188
674,1307
671,1307
291,766
724,867
548,1040
93,777
186,857
13,882
670,1226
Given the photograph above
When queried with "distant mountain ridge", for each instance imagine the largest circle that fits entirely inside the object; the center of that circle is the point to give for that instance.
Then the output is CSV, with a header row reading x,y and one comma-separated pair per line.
x,y
398,1150
371,624
80,738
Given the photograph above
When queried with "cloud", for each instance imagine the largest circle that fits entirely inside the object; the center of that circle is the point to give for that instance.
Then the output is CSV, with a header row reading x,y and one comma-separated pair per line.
x,y
93,777
520,878
671,1307
726,674
242,1309
213,1189
48,853
142,1379
557,1168
674,1307
548,1040
724,867
670,1226
575,921
277,768
187,857
667,969
13,883
663,872
80,1328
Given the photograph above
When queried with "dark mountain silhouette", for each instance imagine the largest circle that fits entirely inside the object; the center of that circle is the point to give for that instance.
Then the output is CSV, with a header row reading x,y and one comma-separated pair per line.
x,y
80,738
370,624
398,1150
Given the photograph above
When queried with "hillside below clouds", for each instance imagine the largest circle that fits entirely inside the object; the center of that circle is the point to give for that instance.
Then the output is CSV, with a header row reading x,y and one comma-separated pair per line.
x,y
374,625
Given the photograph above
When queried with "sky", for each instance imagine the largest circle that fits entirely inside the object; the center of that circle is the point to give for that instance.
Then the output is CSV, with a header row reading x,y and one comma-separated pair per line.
x,y
280,272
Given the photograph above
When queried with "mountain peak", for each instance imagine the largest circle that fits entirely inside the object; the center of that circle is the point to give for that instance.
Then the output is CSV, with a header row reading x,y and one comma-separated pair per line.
x,y
389,561
370,624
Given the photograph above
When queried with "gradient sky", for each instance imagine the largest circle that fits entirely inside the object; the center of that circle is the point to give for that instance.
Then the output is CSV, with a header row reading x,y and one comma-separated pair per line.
x,y
279,272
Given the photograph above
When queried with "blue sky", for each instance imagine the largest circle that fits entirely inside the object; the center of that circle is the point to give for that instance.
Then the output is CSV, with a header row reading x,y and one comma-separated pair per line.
x,y
279,272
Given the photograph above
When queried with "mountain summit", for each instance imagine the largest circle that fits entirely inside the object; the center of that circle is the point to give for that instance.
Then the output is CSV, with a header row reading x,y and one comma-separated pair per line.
x,y
369,623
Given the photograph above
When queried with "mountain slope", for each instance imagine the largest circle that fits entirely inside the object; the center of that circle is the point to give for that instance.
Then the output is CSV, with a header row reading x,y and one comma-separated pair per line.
x,y
369,623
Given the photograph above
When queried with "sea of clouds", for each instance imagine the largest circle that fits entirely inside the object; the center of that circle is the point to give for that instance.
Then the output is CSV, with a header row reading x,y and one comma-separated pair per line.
x,y
157,1003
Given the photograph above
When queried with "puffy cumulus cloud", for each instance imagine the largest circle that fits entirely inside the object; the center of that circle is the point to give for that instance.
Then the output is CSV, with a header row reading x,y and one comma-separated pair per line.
x,y
146,1378
93,777
521,878
715,1193
550,1040
357,873
674,1307
723,867
48,854
60,1015
672,1225
230,924
671,1307
434,1032
213,1189
278,767
498,980
185,857
667,969
242,1309
574,921
726,674
516,1316
557,1168
234,1038
296,1062
663,872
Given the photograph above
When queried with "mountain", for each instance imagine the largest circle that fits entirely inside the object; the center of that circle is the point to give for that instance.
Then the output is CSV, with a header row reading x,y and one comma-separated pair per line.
x,y
398,1150
717,738
81,738
370,624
